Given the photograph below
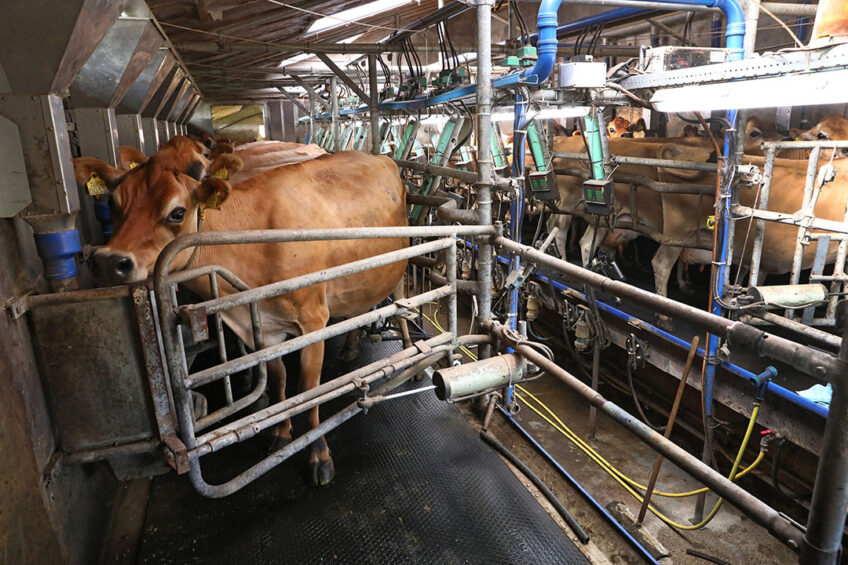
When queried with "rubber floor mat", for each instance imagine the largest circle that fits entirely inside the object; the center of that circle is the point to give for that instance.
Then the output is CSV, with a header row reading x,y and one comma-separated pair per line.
x,y
414,484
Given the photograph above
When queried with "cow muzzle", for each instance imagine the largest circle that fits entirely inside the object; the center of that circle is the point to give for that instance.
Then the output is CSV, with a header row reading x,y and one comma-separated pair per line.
x,y
111,267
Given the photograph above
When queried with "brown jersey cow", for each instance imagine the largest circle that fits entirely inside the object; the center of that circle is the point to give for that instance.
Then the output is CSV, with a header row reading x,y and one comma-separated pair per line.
x,y
159,200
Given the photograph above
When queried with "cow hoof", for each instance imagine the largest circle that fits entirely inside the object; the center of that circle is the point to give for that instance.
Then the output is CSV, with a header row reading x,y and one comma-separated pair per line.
x,y
349,354
321,473
665,323
278,443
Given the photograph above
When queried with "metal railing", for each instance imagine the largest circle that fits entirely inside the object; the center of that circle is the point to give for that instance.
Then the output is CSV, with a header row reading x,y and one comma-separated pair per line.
x,y
194,317
810,229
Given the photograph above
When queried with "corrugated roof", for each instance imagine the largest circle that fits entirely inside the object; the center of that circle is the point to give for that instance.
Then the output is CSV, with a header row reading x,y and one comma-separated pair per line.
x,y
238,74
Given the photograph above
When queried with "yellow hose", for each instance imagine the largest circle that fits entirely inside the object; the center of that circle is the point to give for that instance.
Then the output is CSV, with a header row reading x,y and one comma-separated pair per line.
x,y
626,482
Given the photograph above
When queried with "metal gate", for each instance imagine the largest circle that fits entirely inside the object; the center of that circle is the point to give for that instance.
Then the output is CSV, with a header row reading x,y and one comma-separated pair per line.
x,y
205,435
811,230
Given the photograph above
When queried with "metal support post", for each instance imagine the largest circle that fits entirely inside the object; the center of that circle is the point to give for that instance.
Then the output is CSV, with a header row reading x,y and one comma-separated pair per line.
x,y
164,134
374,102
334,105
823,539
130,131
43,136
485,167
150,131
97,131
274,129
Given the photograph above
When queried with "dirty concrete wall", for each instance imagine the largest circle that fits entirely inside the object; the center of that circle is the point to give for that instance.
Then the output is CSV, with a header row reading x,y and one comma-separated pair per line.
x,y
48,513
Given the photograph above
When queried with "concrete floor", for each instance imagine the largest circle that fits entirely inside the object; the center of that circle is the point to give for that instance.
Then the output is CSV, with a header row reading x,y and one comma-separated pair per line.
x,y
730,536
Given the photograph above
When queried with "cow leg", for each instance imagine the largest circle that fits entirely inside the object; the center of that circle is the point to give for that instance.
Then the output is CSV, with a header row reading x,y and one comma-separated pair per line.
x,y
320,467
563,223
353,340
399,293
281,433
683,278
662,263
593,235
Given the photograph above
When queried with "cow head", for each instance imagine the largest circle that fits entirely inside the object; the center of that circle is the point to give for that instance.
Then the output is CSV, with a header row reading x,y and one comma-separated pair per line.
x,y
757,131
617,127
830,128
153,204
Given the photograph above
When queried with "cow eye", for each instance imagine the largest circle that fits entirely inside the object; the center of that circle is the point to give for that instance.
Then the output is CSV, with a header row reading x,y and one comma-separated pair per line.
x,y
612,130
822,135
755,133
176,216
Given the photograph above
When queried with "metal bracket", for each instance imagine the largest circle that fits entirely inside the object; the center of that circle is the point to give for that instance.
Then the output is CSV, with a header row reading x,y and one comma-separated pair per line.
x,y
196,319
423,347
750,174
176,454
17,306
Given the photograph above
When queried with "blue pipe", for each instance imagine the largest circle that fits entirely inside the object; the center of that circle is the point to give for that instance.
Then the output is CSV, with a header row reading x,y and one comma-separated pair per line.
x,y
715,32
577,486
736,370
57,251
104,217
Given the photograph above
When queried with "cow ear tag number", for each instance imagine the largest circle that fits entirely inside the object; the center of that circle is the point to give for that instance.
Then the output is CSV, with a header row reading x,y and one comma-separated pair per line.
x,y
221,173
96,186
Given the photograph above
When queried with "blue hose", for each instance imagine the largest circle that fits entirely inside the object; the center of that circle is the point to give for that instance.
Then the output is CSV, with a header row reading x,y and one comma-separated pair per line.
x,y
589,498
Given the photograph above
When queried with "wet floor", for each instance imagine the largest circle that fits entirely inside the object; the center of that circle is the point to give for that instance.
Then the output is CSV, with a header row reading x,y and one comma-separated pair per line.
x,y
730,536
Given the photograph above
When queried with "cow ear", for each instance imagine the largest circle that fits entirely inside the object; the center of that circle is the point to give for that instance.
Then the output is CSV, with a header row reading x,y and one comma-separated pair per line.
x,y
96,176
211,193
226,165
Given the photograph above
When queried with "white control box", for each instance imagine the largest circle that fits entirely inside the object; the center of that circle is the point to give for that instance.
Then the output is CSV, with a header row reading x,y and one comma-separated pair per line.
x,y
582,74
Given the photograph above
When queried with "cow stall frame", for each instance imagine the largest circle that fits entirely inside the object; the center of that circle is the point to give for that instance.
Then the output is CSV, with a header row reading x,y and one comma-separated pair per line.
x,y
194,317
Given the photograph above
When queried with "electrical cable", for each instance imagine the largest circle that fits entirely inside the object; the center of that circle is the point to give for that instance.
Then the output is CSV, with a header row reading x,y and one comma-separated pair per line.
x,y
638,404
623,480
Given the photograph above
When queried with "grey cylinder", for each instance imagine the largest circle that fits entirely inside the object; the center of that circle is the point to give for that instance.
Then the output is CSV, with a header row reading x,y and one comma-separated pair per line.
x,y
463,380
790,295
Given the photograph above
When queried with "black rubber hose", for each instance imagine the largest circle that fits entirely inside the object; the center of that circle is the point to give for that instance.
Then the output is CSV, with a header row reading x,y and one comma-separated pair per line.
x,y
639,404
519,464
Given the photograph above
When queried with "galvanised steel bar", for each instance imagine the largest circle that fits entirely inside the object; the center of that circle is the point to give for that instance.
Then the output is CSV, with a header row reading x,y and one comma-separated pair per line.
x,y
374,104
102,453
804,144
655,185
760,230
823,338
253,424
334,108
435,170
259,469
789,220
485,166
275,351
624,160
823,538
747,338
216,305
779,526
235,431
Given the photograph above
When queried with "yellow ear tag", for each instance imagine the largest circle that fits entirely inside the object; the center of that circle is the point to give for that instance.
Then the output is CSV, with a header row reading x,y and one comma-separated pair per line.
x,y
711,222
212,202
96,185
222,173
133,165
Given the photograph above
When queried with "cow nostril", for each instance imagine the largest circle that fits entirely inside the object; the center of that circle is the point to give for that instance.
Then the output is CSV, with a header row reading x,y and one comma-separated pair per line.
x,y
124,266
